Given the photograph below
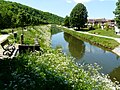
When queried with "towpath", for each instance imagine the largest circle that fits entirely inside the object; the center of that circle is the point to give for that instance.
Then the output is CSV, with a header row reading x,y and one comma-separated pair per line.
x,y
2,38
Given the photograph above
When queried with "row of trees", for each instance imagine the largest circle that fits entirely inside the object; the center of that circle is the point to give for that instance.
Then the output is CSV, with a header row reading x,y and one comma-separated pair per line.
x,y
13,14
78,17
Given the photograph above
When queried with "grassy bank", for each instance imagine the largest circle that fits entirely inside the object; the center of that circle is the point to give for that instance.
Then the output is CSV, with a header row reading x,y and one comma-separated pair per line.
x,y
42,33
50,70
105,32
102,42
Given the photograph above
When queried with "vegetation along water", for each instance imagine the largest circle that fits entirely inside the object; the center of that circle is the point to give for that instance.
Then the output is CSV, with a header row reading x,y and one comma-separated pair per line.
x,y
52,69
86,53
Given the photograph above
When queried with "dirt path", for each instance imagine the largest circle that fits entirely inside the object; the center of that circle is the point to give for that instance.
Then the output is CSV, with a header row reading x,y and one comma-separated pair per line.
x,y
3,37
116,39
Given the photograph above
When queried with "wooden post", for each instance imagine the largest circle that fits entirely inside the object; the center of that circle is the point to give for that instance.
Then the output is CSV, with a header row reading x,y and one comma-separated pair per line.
x,y
12,31
15,36
22,39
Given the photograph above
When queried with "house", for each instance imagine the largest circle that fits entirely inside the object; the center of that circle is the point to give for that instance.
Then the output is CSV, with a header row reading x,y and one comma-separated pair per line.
x,y
111,22
102,22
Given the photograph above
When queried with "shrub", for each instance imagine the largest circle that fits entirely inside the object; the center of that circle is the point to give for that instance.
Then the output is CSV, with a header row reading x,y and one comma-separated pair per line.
x,y
91,28
50,71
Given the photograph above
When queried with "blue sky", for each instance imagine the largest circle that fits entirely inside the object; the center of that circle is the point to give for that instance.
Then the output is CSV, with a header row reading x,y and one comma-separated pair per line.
x,y
95,8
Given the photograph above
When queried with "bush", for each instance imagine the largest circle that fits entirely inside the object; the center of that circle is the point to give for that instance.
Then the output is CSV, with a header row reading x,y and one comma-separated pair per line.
x,y
50,71
91,28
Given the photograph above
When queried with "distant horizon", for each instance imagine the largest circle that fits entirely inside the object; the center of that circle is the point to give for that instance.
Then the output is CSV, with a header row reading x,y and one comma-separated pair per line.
x,y
96,8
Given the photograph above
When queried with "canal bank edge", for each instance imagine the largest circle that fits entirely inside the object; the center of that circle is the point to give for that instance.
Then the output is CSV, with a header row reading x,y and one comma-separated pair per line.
x,y
112,44
117,50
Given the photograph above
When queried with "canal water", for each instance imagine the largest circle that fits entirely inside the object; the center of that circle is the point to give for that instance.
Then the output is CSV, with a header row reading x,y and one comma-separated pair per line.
x,y
84,52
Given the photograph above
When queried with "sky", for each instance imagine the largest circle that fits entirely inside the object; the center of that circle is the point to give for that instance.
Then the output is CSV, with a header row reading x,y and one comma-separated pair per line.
x,y
95,8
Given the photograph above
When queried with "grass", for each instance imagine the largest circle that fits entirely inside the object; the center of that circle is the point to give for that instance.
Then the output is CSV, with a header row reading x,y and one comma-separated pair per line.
x,y
49,70
102,42
9,30
6,31
39,32
105,32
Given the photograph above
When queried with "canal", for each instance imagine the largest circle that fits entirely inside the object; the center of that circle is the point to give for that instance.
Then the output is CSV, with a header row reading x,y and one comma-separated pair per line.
x,y
84,52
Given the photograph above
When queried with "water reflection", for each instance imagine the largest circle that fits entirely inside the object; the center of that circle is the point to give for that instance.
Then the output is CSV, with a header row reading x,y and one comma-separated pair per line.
x,y
86,53
115,74
55,30
76,47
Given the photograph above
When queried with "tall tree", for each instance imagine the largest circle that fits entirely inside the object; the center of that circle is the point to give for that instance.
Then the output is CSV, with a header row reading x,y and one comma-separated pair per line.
x,y
66,21
78,16
117,13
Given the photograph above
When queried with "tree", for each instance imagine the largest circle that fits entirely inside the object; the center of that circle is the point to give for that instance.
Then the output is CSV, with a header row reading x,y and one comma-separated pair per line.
x,y
66,21
22,18
13,14
117,13
78,16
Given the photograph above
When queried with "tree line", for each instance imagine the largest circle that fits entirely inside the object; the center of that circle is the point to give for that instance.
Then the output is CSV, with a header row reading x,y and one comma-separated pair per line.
x,y
14,14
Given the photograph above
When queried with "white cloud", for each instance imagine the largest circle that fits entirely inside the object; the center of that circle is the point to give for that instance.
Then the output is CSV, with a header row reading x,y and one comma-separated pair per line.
x,y
69,1
82,1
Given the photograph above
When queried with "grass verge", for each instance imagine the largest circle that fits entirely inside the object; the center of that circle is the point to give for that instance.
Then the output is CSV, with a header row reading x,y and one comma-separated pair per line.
x,y
42,33
109,32
102,42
